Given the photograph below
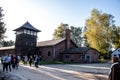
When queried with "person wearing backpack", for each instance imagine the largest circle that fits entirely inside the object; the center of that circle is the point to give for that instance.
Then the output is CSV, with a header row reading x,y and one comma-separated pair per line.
x,y
114,73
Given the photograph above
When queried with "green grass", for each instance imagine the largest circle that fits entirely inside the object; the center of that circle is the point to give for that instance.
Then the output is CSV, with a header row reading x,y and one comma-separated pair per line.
x,y
51,62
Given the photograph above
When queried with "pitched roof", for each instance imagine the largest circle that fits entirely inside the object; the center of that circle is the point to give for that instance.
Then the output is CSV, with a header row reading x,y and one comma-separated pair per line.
x,y
79,50
8,47
27,25
50,42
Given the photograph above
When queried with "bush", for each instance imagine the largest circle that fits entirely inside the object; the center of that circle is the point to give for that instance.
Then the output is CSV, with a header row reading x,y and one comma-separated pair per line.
x,y
51,62
102,60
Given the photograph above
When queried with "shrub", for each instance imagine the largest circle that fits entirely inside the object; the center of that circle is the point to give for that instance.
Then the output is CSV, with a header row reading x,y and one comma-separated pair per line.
x,y
102,59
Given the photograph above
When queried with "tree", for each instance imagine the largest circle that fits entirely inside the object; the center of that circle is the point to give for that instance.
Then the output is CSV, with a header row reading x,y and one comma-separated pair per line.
x,y
85,42
116,37
99,30
76,35
60,31
2,25
8,43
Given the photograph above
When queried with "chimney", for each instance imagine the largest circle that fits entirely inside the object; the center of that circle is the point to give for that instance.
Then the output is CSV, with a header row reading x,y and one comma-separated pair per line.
x,y
67,36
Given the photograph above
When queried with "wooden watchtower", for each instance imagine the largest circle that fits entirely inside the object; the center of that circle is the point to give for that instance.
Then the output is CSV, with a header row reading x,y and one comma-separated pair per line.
x,y
26,39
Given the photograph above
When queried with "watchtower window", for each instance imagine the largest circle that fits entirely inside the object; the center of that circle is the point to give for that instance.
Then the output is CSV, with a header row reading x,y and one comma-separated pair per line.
x,y
19,32
32,33
35,33
25,31
28,31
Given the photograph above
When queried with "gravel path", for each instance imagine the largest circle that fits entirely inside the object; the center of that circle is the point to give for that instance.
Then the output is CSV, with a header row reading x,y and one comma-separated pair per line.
x,y
60,72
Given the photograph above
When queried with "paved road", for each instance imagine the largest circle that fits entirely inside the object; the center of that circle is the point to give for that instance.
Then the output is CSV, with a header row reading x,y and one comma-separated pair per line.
x,y
64,72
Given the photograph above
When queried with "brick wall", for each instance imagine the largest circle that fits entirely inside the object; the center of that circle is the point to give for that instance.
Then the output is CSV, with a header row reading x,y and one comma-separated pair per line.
x,y
72,57
94,55
53,52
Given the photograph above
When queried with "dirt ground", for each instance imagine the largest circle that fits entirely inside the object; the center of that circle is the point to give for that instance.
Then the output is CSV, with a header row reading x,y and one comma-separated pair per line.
x,y
59,72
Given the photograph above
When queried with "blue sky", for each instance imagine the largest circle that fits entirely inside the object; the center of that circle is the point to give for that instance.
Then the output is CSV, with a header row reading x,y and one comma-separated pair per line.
x,y
47,15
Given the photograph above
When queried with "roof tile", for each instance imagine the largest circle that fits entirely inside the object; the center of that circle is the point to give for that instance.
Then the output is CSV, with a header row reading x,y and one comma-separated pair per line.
x,y
27,25
50,42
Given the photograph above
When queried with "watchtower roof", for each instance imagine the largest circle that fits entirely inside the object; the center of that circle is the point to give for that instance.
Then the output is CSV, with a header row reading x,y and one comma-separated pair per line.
x,y
27,25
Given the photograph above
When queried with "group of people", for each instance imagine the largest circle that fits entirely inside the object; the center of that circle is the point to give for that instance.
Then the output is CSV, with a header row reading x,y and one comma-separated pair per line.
x,y
9,61
32,60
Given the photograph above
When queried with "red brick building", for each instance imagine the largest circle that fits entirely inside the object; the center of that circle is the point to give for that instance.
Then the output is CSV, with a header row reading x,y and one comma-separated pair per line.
x,y
50,50
81,54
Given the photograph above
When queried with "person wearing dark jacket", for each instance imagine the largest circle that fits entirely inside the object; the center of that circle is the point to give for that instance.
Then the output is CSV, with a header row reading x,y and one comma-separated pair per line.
x,y
30,60
114,73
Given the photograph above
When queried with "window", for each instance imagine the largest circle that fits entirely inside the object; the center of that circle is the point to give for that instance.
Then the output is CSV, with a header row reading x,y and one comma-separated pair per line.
x,y
67,56
28,32
49,53
72,60
19,32
32,33
35,33
25,31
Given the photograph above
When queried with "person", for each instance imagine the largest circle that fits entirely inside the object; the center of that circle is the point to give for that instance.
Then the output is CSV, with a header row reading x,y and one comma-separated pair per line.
x,y
15,62
40,59
36,61
9,62
5,63
30,60
25,60
18,59
114,73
